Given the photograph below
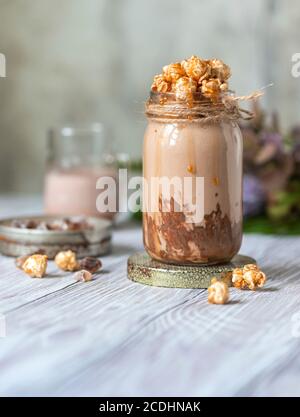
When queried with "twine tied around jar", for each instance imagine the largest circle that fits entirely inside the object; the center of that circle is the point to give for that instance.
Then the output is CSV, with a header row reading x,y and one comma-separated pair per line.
x,y
165,107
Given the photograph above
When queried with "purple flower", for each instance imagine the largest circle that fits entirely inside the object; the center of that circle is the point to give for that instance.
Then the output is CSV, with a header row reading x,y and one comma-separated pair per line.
x,y
274,138
295,134
296,152
253,196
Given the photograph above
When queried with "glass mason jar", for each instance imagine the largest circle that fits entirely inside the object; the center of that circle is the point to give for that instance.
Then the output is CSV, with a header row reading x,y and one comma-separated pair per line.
x,y
77,157
203,143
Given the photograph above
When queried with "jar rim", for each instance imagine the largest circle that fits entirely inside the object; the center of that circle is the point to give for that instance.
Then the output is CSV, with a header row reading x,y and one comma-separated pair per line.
x,y
77,129
165,106
160,97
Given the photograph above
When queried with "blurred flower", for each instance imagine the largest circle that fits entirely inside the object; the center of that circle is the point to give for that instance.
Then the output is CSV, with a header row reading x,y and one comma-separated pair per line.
x,y
295,137
271,174
253,196
296,153
275,174
271,147
295,134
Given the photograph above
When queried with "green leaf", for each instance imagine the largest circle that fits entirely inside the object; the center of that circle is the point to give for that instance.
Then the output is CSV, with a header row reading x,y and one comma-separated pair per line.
x,y
265,225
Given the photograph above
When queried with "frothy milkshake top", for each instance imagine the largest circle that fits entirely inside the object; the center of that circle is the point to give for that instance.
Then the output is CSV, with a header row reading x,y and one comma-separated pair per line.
x,y
193,75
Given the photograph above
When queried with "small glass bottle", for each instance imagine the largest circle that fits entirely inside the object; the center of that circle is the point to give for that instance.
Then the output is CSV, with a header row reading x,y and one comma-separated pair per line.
x,y
77,157
181,142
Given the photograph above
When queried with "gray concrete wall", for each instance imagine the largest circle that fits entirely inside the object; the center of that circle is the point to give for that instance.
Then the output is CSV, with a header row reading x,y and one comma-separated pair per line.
x,y
87,60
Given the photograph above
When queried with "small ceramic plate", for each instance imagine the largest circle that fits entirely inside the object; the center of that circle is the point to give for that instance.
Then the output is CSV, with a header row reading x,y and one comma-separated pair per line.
x,y
15,241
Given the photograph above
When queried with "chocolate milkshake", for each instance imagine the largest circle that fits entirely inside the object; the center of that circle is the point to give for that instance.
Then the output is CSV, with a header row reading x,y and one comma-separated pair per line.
x,y
193,136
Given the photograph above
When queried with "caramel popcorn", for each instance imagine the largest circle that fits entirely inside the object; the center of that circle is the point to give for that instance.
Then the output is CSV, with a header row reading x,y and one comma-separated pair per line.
x,y
173,72
250,267
218,292
227,278
66,261
35,266
192,75
250,277
196,68
160,84
255,279
224,87
83,276
211,88
237,277
184,88
219,70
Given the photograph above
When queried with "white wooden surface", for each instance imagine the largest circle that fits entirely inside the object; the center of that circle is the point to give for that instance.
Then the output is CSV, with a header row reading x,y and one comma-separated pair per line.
x,y
114,337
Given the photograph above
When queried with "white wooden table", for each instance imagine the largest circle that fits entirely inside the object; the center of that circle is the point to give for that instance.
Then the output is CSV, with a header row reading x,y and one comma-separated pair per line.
x,y
114,337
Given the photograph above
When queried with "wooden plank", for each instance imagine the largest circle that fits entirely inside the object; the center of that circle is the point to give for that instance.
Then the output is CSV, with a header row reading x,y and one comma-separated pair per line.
x,y
116,337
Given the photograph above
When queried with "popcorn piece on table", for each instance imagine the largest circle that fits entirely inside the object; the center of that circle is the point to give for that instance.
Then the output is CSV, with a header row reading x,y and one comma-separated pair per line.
x,y
249,277
218,292
35,266
66,260
227,278
83,276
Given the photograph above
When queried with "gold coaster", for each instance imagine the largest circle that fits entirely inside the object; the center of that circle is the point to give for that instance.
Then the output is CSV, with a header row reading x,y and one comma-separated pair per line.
x,y
143,269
